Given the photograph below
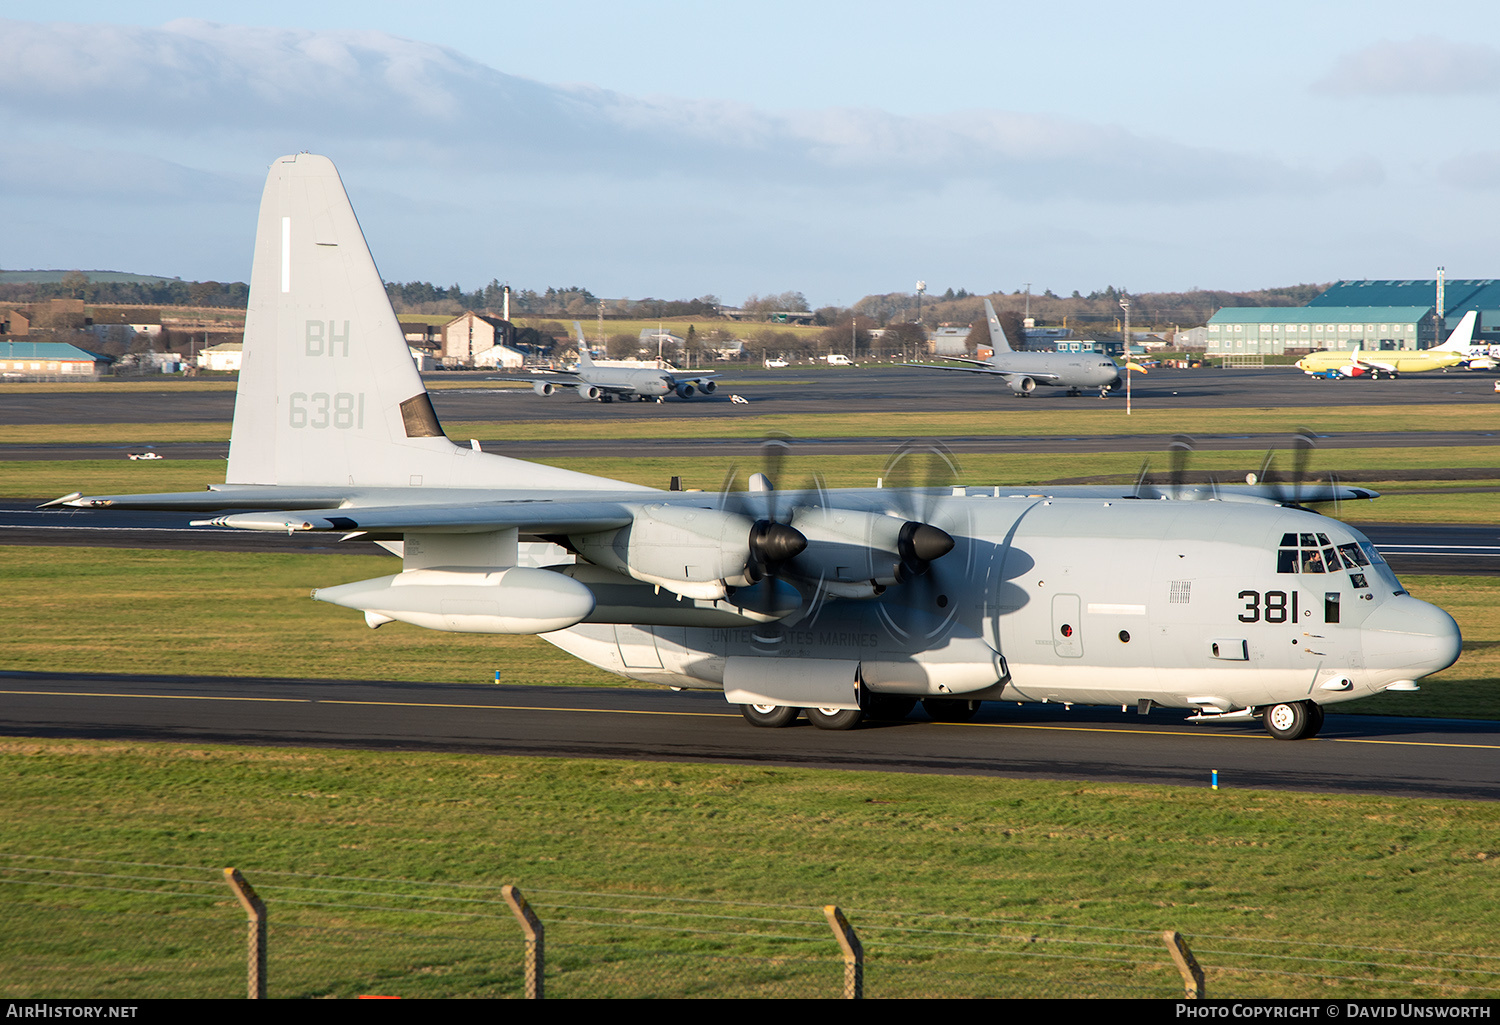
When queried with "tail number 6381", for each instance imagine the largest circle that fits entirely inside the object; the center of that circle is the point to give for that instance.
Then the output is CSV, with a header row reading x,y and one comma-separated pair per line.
x,y
320,410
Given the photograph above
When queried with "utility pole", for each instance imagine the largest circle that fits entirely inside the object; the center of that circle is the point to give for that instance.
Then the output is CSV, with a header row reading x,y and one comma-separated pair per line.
x,y
921,287
1125,305
1439,314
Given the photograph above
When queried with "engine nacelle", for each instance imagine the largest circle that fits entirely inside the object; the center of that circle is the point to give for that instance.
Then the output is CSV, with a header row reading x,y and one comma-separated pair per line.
x,y
692,551
709,387
859,554
515,600
684,390
589,393
544,387
1023,385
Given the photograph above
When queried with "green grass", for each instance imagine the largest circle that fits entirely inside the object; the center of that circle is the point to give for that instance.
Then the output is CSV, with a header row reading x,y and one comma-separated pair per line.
x,y
1027,860
974,423
140,386
236,614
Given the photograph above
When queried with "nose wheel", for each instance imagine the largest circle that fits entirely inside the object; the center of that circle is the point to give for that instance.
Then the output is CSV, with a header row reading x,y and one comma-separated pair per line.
x,y
1293,720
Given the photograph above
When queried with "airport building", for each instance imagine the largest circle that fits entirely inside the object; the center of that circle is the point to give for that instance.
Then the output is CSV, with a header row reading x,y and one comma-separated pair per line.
x,y
1273,330
1460,295
49,359
1384,315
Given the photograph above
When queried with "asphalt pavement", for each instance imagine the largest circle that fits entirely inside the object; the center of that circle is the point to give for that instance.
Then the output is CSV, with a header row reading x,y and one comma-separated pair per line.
x,y
1353,755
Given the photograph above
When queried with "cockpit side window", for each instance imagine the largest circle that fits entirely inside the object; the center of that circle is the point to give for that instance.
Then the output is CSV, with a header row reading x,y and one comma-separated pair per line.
x,y
1316,553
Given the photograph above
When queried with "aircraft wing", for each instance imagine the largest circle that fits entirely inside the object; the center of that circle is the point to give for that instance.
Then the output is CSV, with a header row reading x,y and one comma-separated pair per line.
x,y
990,368
1358,360
527,516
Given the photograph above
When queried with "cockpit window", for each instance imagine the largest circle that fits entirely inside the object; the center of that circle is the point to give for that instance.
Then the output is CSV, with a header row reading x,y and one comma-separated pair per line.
x,y
1314,552
1353,557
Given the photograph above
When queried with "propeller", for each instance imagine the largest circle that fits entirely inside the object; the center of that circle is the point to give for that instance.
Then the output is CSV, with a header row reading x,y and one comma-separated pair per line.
x,y
1303,443
773,541
1182,446
1180,453
918,470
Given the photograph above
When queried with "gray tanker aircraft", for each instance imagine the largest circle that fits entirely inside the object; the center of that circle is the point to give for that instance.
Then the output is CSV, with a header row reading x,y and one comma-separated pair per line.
x,y
1024,371
1232,602
605,384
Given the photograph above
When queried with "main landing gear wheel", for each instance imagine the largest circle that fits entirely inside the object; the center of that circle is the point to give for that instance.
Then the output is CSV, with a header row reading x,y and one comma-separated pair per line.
x,y
1293,720
949,709
834,718
770,716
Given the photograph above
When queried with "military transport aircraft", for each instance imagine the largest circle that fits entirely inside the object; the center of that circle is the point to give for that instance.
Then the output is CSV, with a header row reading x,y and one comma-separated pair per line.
x,y
1455,352
1233,603
1023,371
605,383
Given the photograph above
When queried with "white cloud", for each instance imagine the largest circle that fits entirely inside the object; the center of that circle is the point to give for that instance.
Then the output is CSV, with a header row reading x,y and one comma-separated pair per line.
x,y
367,89
1425,65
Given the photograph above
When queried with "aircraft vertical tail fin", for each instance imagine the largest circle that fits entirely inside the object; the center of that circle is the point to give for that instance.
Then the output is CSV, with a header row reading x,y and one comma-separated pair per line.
x,y
1462,336
328,391
997,333
584,359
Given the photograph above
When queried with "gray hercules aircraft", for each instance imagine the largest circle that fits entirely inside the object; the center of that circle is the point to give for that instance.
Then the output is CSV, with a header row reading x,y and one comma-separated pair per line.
x,y
1231,603
1024,371
609,383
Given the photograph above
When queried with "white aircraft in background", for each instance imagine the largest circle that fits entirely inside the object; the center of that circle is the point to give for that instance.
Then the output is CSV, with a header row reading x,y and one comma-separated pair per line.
x,y
605,384
1455,352
1231,602
1024,371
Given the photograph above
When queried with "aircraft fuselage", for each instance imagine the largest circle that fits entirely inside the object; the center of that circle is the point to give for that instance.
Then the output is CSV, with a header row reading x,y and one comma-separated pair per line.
x,y
1208,605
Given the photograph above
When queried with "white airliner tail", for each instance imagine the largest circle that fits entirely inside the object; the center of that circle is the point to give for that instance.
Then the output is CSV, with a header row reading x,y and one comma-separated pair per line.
x,y
328,391
1462,336
584,359
997,333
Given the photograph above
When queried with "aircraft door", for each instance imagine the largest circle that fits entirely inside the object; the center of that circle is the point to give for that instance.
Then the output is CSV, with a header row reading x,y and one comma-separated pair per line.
x,y
1067,625
637,647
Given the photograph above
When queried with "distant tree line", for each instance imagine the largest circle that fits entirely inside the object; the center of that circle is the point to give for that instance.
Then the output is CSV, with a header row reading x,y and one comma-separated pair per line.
x,y
76,285
1099,308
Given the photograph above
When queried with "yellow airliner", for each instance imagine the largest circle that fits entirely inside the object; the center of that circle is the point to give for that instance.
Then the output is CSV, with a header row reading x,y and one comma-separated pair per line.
x,y
1358,363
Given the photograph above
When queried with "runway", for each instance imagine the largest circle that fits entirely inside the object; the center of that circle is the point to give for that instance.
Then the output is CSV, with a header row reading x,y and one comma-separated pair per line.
x,y
878,390
1354,754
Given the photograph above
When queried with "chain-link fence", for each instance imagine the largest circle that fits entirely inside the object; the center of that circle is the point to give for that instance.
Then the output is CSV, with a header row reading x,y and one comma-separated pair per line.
x,y
75,928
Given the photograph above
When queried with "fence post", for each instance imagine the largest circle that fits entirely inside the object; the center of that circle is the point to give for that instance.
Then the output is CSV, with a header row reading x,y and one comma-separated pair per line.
x,y
531,926
255,954
1187,965
854,952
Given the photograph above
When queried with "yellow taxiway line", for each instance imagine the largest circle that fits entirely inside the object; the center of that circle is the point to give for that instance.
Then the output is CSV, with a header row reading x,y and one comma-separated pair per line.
x,y
724,715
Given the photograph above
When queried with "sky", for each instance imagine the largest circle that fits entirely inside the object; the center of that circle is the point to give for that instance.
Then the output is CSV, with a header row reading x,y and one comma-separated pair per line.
x,y
837,149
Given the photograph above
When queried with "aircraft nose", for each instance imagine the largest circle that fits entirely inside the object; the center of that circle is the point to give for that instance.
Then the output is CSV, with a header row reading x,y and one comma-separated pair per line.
x,y
1409,634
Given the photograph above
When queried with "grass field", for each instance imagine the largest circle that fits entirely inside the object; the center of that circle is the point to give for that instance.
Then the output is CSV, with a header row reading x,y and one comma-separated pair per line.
x,y
998,856
1013,866
976,423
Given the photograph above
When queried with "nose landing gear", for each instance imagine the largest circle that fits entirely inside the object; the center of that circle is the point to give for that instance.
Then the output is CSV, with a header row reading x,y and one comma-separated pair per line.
x,y
1293,720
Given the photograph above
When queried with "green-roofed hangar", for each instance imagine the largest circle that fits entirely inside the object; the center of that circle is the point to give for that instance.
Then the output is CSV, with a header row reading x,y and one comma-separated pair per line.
x,y
1274,330
1373,315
